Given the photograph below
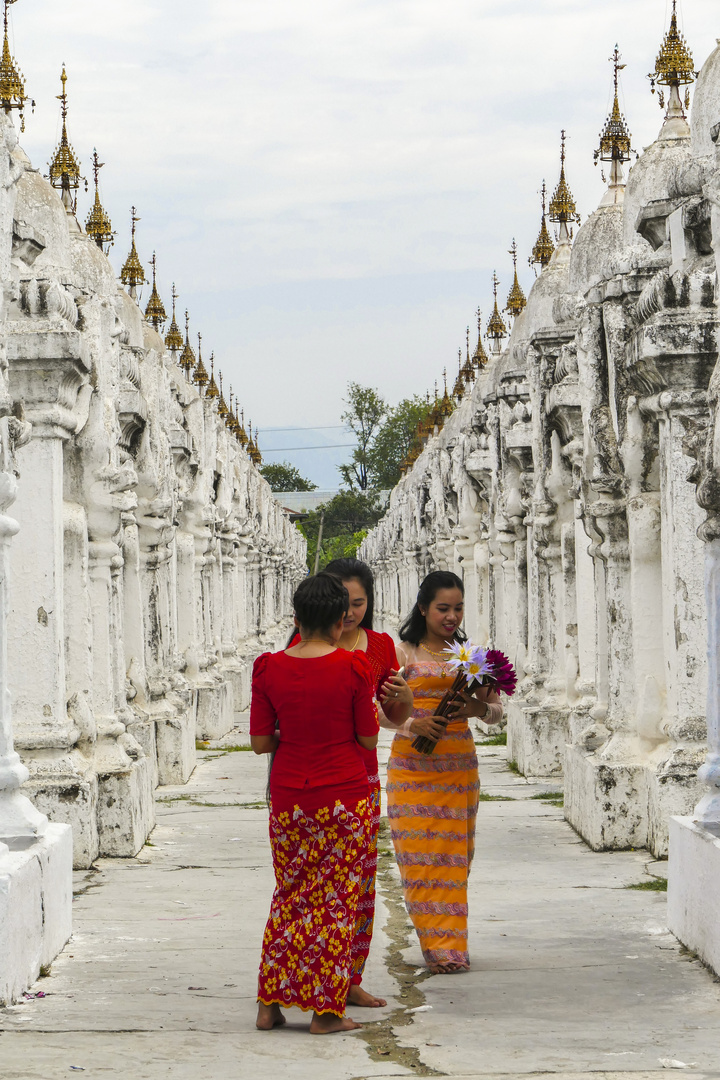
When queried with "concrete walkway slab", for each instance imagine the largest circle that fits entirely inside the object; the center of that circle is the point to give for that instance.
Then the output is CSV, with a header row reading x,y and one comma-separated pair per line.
x,y
573,973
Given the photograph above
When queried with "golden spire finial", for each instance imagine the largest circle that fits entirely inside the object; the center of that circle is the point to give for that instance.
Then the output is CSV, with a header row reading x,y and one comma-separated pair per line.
x,y
173,338
222,404
65,168
187,356
496,329
615,137
544,247
200,375
562,205
242,433
516,301
98,224
459,387
674,67
12,83
212,390
155,311
480,357
446,405
132,273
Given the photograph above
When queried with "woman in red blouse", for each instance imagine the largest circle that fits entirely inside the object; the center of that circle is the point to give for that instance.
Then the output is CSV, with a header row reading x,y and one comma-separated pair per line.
x,y
322,699
396,699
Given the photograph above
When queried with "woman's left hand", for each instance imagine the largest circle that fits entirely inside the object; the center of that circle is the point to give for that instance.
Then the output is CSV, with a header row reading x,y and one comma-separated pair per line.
x,y
395,691
471,705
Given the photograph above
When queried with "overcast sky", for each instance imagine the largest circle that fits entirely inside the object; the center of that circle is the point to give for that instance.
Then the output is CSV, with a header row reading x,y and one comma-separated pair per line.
x,y
331,183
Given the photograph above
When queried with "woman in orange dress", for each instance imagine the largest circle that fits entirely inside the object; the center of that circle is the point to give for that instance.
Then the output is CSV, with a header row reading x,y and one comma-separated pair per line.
x,y
321,698
433,799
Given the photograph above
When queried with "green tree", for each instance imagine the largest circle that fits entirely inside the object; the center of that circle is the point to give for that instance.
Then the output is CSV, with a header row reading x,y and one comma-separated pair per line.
x,y
393,442
347,517
282,476
364,416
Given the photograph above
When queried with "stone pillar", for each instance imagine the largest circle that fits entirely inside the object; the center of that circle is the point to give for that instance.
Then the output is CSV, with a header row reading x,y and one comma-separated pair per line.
x,y
35,857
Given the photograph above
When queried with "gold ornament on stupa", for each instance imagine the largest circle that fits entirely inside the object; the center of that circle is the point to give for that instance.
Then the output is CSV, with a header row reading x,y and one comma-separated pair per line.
x,y
12,83
64,169
516,302
446,406
187,359
155,310
132,273
543,250
496,328
173,338
200,375
223,410
615,138
212,388
562,208
98,224
479,357
252,447
242,433
459,387
674,66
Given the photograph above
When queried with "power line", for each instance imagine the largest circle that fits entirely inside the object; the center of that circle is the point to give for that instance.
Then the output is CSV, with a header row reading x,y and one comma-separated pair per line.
x,y
313,427
287,449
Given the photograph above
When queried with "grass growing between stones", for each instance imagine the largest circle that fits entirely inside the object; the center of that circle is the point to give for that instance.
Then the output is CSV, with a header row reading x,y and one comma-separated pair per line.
x,y
552,798
655,885
514,768
495,740
484,797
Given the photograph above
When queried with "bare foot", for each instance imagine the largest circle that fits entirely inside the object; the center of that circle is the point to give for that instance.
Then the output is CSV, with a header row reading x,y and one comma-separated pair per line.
x,y
269,1017
448,969
363,1000
329,1023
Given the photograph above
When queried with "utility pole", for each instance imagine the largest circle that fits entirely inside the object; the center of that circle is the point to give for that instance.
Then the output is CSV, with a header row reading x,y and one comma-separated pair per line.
x,y
319,543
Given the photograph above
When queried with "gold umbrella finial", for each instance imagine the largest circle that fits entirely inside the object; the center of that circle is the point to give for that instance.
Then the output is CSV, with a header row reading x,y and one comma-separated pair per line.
x,y
496,329
562,208
132,273
155,311
187,356
200,375
615,138
64,169
12,83
98,224
516,301
212,389
543,250
173,338
674,67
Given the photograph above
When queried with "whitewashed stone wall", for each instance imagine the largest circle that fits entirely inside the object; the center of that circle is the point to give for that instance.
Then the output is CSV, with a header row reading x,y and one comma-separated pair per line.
x,y
152,563
561,490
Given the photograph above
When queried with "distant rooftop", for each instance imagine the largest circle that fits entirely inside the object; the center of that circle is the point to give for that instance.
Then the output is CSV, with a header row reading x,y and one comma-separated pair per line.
x,y
302,502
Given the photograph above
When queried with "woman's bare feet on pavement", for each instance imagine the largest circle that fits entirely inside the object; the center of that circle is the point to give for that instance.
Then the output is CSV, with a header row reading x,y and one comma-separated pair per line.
x,y
328,1023
360,998
269,1017
448,969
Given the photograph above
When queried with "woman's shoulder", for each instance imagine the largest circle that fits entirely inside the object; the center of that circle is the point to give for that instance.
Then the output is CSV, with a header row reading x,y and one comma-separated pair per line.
x,y
260,665
360,665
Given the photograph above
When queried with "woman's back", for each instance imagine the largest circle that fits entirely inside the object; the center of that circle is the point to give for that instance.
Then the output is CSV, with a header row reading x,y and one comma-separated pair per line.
x,y
321,704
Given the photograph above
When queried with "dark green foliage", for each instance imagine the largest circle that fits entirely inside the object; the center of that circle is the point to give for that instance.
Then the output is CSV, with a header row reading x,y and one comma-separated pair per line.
x,y
282,476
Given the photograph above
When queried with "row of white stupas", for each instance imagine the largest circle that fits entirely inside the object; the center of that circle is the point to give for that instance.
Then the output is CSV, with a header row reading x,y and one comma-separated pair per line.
x,y
151,563
576,488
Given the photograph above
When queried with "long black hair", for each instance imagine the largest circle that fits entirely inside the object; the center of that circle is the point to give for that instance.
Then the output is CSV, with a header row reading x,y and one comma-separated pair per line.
x,y
354,569
414,628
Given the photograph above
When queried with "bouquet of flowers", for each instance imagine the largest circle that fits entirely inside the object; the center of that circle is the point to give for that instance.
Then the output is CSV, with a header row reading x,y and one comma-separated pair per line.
x,y
471,664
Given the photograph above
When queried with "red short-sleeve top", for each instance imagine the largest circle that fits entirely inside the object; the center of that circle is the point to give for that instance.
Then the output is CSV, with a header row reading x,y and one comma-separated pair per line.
x,y
320,703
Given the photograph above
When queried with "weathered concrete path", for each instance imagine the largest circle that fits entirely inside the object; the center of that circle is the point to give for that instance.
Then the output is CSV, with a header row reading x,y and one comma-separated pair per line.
x,y
573,973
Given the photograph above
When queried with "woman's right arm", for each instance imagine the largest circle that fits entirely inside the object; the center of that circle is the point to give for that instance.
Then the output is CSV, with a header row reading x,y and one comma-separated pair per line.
x,y
263,718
